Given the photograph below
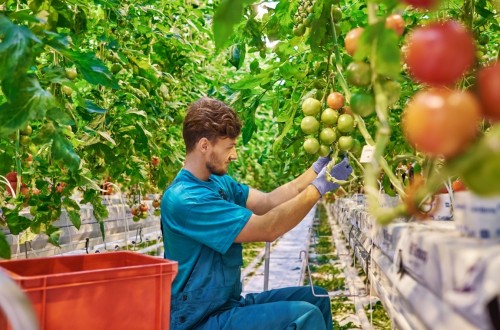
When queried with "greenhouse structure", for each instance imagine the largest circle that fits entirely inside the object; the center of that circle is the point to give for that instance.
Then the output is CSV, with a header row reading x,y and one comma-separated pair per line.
x,y
242,164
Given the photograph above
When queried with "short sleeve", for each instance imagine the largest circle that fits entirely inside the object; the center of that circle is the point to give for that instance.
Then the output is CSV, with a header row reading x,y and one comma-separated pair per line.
x,y
210,220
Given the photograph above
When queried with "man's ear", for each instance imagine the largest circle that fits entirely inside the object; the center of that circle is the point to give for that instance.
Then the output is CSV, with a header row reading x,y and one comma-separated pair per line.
x,y
203,145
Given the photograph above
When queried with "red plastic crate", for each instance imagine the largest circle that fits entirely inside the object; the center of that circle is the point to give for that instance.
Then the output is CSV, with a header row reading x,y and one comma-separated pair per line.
x,y
115,290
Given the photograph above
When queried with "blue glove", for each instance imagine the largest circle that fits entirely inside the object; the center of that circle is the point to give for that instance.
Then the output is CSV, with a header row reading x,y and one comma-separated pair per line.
x,y
340,171
320,163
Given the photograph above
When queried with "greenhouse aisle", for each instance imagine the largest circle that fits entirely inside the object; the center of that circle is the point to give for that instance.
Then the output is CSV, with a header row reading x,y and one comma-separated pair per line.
x,y
286,264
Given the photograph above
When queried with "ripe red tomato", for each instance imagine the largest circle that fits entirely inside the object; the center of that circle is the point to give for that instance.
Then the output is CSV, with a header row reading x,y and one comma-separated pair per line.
x,y
458,185
440,53
351,40
155,161
441,122
11,176
335,100
143,207
60,187
396,23
488,83
135,210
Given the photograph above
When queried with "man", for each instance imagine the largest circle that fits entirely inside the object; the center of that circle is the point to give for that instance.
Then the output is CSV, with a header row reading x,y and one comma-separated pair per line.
x,y
206,215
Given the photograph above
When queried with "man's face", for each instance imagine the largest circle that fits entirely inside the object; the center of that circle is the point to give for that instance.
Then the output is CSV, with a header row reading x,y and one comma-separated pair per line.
x,y
223,151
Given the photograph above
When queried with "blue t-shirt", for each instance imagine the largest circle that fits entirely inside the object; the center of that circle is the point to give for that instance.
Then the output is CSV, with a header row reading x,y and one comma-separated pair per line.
x,y
201,218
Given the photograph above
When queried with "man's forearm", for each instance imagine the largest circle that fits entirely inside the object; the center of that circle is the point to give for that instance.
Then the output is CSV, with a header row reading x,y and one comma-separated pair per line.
x,y
287,215
290,189
279,220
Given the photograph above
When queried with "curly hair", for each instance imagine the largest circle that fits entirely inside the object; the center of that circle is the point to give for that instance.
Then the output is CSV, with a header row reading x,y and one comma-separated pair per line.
x,y
211,119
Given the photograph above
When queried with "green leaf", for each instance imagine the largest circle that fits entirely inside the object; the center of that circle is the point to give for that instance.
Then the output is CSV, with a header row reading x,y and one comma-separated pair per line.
x,y
91,68
107,136
388,61
4,246
91,107
252,81
61,115
53,233
15,222
29,101
73,210
387,56
249,122
74,217
228,14
15,48
237,55
62,150
288,125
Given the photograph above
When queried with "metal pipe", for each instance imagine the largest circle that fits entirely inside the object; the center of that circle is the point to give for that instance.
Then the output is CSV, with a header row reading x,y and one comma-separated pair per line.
x,y
266,265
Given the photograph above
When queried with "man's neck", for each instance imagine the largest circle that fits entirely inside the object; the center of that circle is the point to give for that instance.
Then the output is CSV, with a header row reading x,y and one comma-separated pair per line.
x,y
197,167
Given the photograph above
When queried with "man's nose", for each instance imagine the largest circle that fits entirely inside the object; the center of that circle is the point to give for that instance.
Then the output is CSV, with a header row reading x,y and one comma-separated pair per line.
x,y
233,155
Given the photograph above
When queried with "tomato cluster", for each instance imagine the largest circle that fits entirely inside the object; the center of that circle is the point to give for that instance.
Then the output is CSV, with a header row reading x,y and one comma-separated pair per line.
x,y
442,121
334,127
139,211
303,17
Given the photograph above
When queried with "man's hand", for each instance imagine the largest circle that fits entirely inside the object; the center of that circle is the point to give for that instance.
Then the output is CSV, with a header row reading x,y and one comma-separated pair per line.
x,y
340,171
320,163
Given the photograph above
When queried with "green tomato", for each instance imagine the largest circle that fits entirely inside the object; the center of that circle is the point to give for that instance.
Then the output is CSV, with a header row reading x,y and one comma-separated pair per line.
x,y
324,150
336,14
362,104
67,90
311,145
356,147
393,91
346,143
71,73
329,116
327,136
309,125
27,130
345,123
359,74
299,30
311,107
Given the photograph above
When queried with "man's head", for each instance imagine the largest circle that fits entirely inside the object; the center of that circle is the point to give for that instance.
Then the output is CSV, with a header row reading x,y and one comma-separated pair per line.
x,y
211,119
211,129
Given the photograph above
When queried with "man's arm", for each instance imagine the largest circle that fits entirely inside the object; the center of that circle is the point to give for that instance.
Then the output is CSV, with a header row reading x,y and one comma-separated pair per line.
x,y
280,219
260,202
283,217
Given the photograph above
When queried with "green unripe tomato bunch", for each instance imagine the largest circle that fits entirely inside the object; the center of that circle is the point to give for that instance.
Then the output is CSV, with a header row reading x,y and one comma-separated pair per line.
x,y
327,126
